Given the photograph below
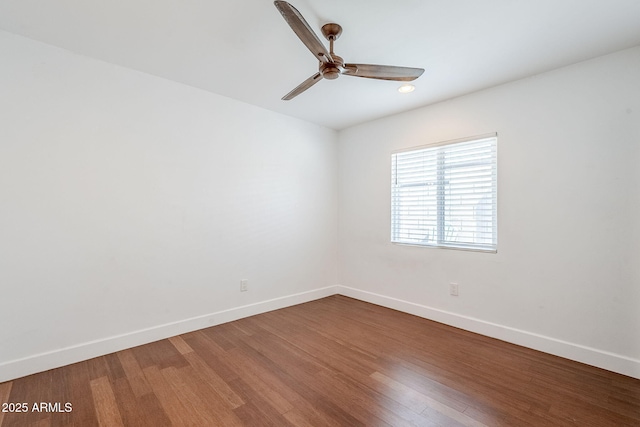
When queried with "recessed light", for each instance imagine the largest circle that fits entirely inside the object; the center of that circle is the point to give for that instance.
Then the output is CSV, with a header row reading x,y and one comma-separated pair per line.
x,y
406,88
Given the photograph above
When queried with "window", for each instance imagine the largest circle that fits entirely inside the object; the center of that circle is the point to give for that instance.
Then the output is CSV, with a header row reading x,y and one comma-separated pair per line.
x,y
445,195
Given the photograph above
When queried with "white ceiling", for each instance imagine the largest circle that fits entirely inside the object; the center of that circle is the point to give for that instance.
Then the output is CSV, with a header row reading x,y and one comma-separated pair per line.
x,y
245,50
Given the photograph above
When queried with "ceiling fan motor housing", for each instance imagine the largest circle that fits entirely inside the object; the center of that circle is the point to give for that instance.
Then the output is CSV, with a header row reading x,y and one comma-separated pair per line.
x,y
332,70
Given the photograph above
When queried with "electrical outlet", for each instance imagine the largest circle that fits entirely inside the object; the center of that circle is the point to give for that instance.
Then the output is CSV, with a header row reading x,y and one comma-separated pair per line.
x,y
244,285
453,289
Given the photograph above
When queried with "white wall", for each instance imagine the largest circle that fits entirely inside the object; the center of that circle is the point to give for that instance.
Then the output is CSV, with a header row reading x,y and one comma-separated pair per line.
x,y
566,278
131,207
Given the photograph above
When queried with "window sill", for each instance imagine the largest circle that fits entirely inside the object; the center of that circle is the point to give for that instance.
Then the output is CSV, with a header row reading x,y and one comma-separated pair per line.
x,y
456,248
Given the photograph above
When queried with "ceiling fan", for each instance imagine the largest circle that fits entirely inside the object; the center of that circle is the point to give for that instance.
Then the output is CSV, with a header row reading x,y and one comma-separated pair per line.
x,y
331,65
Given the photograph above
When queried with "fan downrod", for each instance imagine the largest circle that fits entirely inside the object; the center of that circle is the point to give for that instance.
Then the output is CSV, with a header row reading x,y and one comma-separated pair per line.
x,y
331,70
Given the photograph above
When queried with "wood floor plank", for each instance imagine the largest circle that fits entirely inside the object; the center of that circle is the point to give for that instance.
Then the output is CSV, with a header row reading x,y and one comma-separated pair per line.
x,y
212,355
105,403
257,406
299,419
40,392
206,337
29,392
159,353
334,356
284,353
133,373
425,382
304,383
588,415
126,401
97,368
140,411
45,422
177,413
5,391
331,362
214,380
196,408
70,386
362,402
222,412
424,402
268,386
114,367
250,415
180,345
307,414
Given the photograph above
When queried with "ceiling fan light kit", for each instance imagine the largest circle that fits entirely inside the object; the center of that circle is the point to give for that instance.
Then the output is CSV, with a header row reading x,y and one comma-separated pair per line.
x,y
406,88
331,66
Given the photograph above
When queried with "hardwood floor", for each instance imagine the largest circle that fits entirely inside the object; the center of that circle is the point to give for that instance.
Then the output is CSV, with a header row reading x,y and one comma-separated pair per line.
x,y
331,362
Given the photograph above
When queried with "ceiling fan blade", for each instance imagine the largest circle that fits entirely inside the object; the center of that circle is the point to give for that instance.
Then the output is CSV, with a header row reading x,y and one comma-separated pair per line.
x,y
382,72
303,31
303,86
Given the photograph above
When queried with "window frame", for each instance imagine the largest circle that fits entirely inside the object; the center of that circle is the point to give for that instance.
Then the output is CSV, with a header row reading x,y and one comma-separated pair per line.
x,y
441,217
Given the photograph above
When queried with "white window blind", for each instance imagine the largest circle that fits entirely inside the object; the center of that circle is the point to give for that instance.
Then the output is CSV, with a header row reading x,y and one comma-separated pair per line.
x,y
445,195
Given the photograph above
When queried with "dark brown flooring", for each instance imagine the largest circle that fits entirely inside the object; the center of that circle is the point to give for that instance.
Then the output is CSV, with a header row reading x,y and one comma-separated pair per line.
x,y
331,362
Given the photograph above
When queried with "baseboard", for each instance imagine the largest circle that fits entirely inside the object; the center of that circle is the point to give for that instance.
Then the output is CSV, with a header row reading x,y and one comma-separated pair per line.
x,y
54,359
591,356
41,362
